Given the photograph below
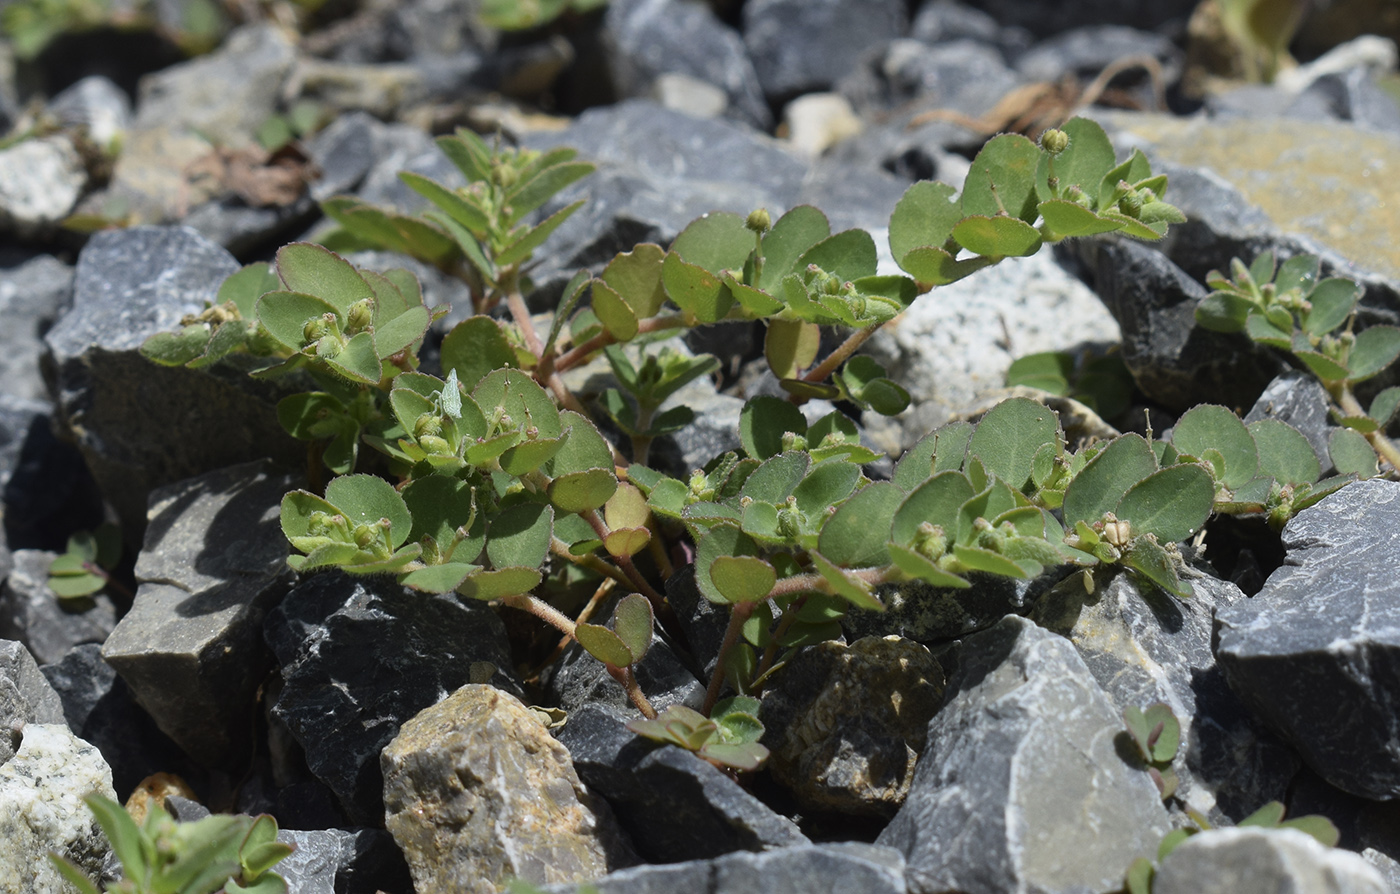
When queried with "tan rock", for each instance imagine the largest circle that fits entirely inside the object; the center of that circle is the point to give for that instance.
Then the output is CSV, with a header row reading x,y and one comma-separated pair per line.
x,y
476,792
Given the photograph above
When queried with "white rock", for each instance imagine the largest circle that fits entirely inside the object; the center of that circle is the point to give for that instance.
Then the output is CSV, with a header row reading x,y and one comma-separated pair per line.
x,y
694,97
817,121
1264,861
42,810
40,181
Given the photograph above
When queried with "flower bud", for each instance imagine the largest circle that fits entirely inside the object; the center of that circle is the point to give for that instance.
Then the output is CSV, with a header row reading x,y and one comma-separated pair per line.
x,y
360,315
427,424
760,221
1054,141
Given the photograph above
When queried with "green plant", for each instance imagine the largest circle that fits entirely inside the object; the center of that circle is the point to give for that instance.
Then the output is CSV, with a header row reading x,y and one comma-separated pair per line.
x,y
1262,29
86,565
505,490
33,24
1157,735
1103,384
517,15
1287,306
727,738
233,854
1142,871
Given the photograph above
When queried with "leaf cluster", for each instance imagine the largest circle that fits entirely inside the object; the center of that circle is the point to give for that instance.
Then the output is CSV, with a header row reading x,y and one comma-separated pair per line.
x,y
518,15
86,565
1157,735
727,738
234,854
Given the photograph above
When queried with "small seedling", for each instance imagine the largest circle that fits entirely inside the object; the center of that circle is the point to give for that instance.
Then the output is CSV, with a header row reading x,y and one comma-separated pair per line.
x,y
1157,735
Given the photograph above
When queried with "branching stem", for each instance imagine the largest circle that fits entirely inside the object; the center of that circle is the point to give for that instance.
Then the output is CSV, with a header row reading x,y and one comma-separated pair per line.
x,y
737,616
1350,406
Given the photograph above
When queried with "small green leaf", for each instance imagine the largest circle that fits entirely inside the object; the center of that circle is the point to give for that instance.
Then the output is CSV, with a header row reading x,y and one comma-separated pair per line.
x,y
724,539
520,249
314,270
714,242
1375,349
1171,504
1224,311
1384,405
1284,454
585,448
1351,453
1068,219
936,267
845,584
918,566
582,491
285,315
924,216
997,237
777,477
742,578
469,153
636,277
1139,878
1147,557
695,290
365,499
1268,817
1213,426
794,233
978,559
633,621
603,644
401,332
245,287
444,578
463,210
533,192
1101,484
1322,366
1319,827
489,585
790,346
519,536
1263,331
1298,272
1008,436
1002,179
849,255
856,534
1332,302
826,484
358,361
936,501
1083,162
763,422
1160,720
526,403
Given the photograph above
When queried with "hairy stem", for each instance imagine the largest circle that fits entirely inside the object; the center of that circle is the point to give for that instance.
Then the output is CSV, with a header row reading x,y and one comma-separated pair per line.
x,y
822,371
628,679
542,610
1350,406
580,353
737,616
590,561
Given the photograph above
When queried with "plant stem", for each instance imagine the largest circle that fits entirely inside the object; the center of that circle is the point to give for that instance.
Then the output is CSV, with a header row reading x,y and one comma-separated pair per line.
x,y
540,609
521,315
770,652
628,679
590,561
823,370
737,616
580,353
1350,406
641,444
659,606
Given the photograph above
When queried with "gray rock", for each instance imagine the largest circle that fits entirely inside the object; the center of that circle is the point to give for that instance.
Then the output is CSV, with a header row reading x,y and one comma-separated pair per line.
x,y
648,38
1362,824
25,695
476,792
1021,788
852,198
1387,867
1144,647
928,614
1174,362
940,21
138,425
1298,398
96,105
243,229
846,724
226,95
213,564
577,678
40,182
33,614
1315,654
801,47
1354,95
1043,19
1087,50
963,76
98,708
32,296
339,861
41,810
351,146
844,866
1263,861
359,657
48,492
673,805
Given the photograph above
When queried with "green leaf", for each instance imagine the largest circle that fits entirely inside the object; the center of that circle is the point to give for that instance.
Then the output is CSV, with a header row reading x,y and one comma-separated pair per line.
x,y
777,477
245,287
997,237
633,621
1319,827
488,585
1101,484
440,506
917,566
849,255
463,210
826,484
1298,272
1261,330
950,446
978,559
397,232
586,449
1162,749
1171,504
1332,302
177,348
1083,162
1384,405
1284,454
365,499
475,347
520,249
1139,877
535,191
924,216
1375,349
463,241
790,346
1002,179
314,270
695,290
445,578
714,242
582,491
934,266
519,536
1213,426
795,232
75,586
1147,557
742,578
603,644
764,420
72,874
358,361
721,540
568,300
1069,219
1224,311
1351,453
285,315
614,313
525,402
1322,366
1268,817
122,832
1134,169
469,153
401,332
636,277
856,534
937,501
1008,436
846,585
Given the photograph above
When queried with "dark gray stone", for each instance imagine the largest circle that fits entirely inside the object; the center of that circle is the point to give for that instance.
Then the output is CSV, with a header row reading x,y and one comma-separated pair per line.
x,y
25,696
339,861
802,46
359,657
964,76
32,296
47,490
1144,646
1316,654
1174,362
941,21
857,198
578,678
1087,50
213,564
1263,861
1021,788
674,805
1045,19
98,707
647,38
243,229
139,425
927,614
351,146
32,614
1299,399
801,869
846,724
1362,824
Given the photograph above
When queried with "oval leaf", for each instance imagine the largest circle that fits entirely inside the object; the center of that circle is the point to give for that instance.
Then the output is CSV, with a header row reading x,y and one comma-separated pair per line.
x,y
1171,504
